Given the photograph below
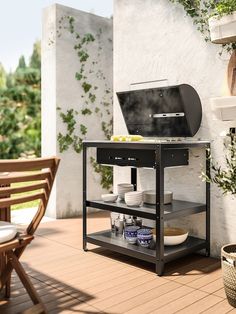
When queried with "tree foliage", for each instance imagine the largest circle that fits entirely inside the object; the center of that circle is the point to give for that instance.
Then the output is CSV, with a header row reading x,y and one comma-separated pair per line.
x,y
35,60
3,77
21,63
20,102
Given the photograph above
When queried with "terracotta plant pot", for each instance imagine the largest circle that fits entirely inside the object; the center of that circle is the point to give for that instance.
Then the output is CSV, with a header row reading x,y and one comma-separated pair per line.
x,y
232,74
228,262
223,30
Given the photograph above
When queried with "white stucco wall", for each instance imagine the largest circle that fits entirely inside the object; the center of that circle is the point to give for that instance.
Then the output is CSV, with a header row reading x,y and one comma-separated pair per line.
x,y
60,62
155,40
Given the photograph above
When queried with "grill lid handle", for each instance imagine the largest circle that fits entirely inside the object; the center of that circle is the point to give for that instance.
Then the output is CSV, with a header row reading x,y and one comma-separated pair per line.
x,y
167,115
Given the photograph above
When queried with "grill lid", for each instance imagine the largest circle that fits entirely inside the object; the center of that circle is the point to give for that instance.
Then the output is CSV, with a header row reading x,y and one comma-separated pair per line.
x,y
173,111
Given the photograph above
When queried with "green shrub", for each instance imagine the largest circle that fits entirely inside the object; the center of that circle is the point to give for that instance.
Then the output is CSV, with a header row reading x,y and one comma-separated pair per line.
x,y
20,109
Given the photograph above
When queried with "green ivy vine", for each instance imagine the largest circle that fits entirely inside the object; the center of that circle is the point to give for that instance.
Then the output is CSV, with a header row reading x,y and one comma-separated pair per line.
x,y
76,131
105,172
200,11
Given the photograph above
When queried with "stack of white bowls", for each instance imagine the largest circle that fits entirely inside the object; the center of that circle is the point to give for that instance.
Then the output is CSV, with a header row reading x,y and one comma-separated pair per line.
x,y
123,188
134,198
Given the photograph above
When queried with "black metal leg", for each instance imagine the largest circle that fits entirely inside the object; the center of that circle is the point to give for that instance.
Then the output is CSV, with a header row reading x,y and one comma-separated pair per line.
x,y
208,229
84,198
134,178
159,213
160,268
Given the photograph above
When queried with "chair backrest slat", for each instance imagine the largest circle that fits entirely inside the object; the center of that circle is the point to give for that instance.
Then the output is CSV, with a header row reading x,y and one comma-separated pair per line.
x,y
22,189
24,177
9,165
6,202
34,177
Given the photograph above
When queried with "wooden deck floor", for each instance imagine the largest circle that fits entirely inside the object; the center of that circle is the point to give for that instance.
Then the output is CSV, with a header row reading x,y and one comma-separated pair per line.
x,y
72,281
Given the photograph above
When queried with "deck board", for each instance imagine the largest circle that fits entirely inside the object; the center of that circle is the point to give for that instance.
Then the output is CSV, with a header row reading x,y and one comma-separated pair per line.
x,y
100,281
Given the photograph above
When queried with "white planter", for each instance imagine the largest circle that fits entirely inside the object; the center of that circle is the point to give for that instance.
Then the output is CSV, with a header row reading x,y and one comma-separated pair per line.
x,y
223,30
224,108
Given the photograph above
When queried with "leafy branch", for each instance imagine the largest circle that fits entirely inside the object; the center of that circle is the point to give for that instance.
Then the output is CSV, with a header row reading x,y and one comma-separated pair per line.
x,y
224,178
201,11
70,138
106,171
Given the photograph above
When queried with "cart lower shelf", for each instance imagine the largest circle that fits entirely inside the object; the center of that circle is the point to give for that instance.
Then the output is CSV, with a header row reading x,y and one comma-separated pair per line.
x,y
110,241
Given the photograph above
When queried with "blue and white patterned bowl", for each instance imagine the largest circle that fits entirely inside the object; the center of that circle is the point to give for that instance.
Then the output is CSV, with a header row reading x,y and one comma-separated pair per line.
x,y
144,232
131,234
144,237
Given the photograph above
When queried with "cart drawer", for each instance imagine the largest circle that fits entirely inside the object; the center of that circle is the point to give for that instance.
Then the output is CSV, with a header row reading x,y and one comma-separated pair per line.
x,y
141,158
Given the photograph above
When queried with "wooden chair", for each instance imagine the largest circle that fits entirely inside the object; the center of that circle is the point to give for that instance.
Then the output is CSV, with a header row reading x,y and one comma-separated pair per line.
x,y
36,176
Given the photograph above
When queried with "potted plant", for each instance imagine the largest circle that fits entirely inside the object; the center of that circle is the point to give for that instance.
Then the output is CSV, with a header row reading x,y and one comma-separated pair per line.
x,y
225,179
222,23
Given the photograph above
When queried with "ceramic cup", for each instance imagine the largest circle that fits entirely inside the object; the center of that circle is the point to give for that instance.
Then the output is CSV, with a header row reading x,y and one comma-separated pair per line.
x,y
131,234
144,237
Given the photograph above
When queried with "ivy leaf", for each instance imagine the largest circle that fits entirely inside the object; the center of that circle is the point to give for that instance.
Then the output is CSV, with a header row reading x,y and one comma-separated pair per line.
x,y
83,129
78,76
87,38
92,97
86,87
83,56
86,111
78,46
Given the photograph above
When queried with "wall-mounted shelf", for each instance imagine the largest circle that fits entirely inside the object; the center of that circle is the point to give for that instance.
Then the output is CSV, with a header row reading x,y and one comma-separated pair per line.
x,y
223,29
224,107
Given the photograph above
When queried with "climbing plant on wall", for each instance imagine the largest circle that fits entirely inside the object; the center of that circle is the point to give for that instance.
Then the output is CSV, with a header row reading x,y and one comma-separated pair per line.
x,y
200,11
88,72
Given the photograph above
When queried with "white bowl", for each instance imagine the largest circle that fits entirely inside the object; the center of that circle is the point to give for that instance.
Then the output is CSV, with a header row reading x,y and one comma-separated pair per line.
x,y
149,197
125,185
136,195
123,188
134,198
138,199
173,236
111,198
130,199
133,203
